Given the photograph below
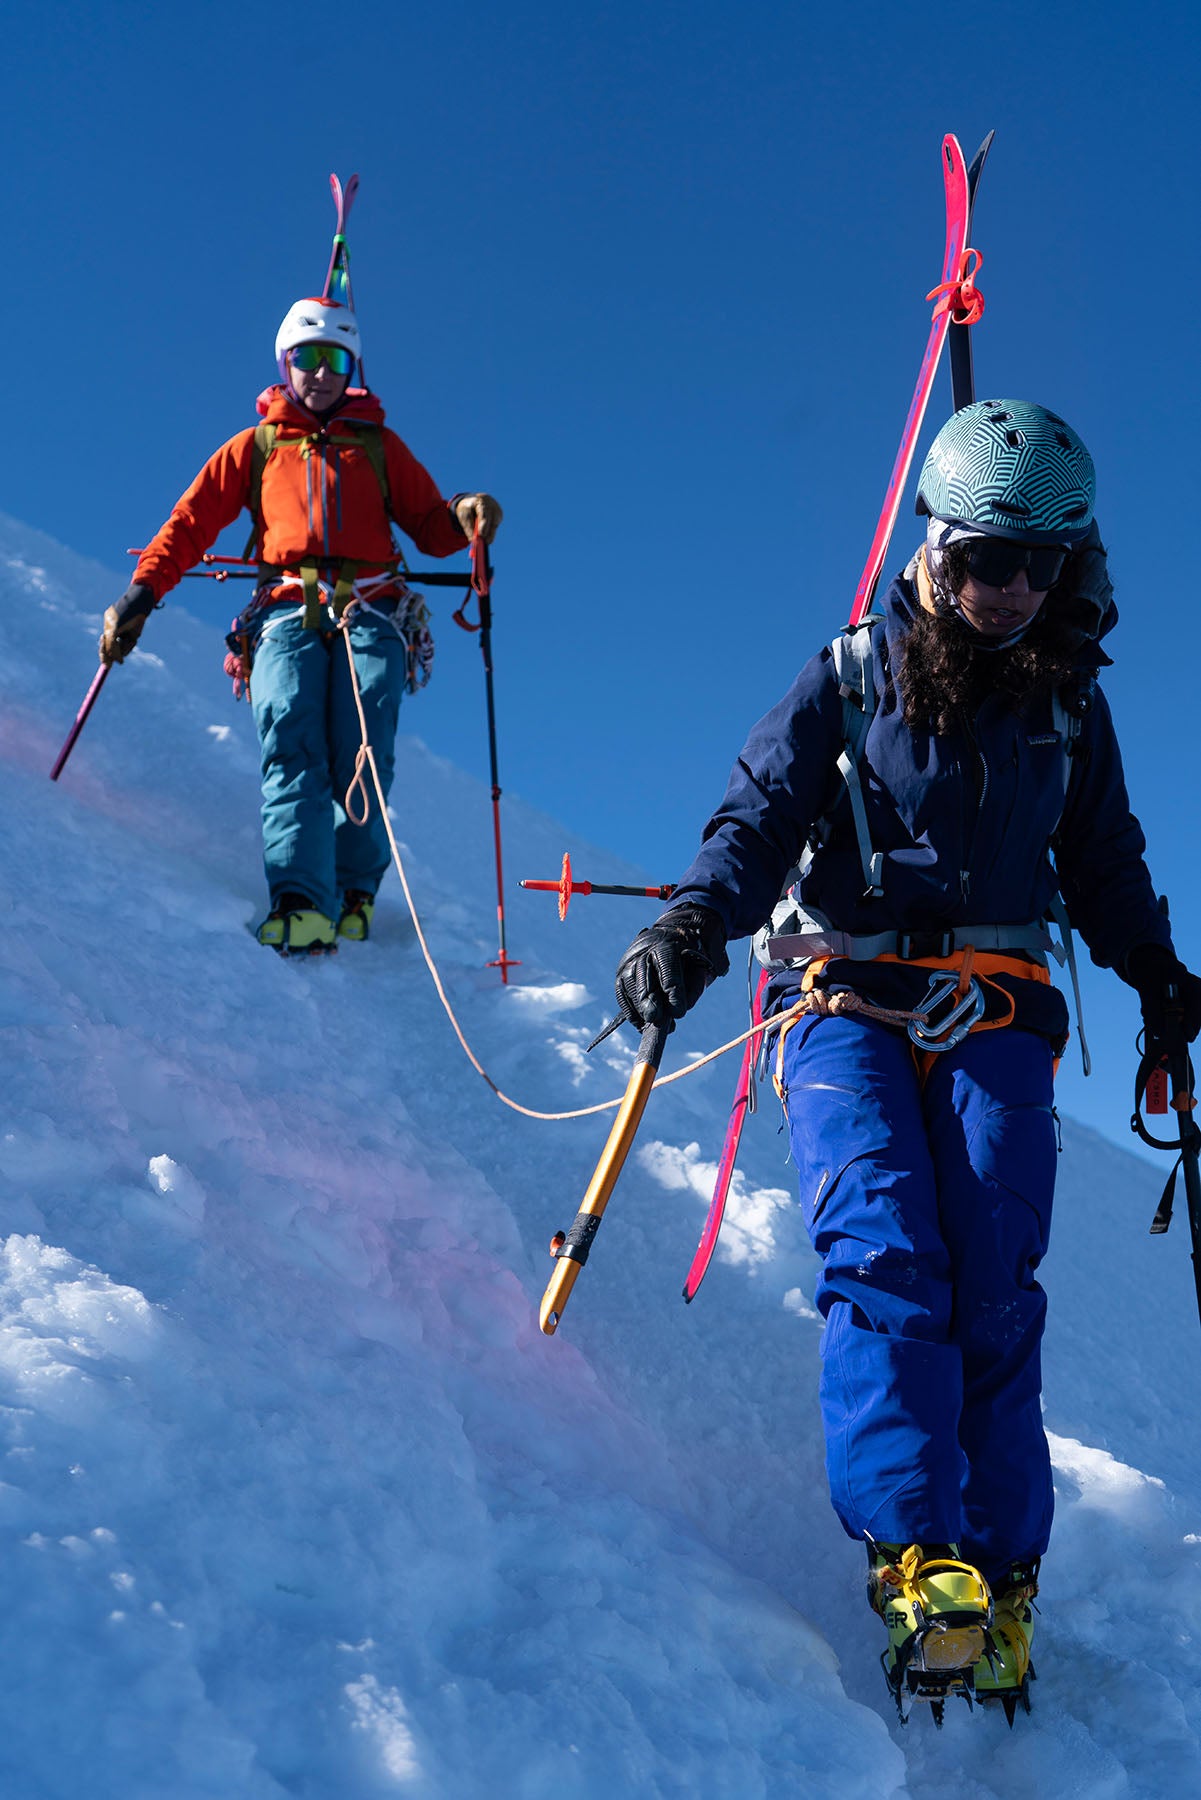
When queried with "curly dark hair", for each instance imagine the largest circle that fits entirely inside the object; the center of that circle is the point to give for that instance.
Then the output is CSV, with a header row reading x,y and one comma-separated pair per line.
x,y
945,673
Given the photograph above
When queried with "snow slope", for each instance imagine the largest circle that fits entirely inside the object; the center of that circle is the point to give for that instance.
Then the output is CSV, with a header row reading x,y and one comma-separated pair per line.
x,y
296,1500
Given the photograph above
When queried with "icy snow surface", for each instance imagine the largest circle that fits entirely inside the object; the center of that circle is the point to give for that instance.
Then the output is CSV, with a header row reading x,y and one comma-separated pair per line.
x,y
296,1500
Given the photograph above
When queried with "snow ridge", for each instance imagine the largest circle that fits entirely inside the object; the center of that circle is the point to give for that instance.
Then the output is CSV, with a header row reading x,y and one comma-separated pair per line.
x,y
295,1497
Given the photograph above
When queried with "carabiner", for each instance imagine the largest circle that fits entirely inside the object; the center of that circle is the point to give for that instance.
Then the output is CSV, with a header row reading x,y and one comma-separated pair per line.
x,y
943,1029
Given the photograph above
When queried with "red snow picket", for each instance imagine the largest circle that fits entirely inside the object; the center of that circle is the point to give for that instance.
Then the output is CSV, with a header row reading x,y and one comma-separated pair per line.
x,y
566,886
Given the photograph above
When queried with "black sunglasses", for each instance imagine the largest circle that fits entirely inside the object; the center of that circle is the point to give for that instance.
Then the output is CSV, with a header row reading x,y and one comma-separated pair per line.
x,y
995,562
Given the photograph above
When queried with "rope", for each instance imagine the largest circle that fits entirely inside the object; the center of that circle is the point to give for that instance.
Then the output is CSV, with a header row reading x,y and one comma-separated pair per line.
x,y
365,758
828,1006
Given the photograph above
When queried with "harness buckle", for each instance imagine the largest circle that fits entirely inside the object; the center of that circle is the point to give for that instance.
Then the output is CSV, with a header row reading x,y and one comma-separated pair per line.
x,y
924,943
949,1015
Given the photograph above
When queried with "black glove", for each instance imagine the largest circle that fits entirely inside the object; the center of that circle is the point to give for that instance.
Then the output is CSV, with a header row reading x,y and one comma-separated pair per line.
x,y
123,622
669,965
1170,998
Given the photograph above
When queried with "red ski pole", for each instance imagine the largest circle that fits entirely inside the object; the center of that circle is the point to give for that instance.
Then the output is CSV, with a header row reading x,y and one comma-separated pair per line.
x,y
81,719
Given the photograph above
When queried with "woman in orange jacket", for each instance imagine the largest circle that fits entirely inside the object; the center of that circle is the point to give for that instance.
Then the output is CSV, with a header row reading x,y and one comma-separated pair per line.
x,y
323,477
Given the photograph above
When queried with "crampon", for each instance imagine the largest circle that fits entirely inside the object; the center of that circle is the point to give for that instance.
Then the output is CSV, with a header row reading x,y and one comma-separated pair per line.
x,y
939,1615
1003,1679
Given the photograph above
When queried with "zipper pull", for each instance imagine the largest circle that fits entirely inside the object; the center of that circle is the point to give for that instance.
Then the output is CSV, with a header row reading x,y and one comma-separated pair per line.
x,y
965,883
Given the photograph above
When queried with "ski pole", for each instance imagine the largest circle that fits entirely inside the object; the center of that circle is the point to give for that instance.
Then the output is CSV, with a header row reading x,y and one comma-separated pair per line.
x,y
1150,1084
246,570
1180,1075
571,1248
565,887
481,587
1163,1080
81,719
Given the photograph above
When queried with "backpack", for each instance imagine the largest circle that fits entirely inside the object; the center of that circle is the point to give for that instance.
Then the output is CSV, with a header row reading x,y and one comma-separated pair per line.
x,y
854,668
367,437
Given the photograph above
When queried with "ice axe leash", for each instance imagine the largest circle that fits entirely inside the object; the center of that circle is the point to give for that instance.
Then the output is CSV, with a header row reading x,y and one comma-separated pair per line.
x,y
571,1249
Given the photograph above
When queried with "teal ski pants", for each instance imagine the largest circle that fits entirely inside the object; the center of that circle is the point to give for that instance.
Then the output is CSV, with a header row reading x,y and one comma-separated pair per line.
x,y
309,735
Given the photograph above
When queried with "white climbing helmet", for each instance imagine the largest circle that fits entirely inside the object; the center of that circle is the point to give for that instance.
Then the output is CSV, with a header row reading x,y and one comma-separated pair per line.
x,y
316,322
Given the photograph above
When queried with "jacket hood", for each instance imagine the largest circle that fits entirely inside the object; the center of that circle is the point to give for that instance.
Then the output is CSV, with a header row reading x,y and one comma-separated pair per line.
x,y
276,405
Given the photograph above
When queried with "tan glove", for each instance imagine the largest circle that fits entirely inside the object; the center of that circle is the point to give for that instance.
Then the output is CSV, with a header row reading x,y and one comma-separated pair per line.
x,y
481,508
123,622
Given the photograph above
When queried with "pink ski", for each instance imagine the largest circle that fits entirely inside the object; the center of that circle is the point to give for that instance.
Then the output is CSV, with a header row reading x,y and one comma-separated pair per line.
x,y
729,1152
337,280
957,301
956,296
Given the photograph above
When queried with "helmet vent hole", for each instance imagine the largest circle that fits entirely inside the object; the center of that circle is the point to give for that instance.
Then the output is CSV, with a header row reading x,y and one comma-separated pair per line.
x,y
999,417
1017,507
1015,439
1063,440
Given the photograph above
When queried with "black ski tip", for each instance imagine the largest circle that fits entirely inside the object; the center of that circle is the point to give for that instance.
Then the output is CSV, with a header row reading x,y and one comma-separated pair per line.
x,y
977,163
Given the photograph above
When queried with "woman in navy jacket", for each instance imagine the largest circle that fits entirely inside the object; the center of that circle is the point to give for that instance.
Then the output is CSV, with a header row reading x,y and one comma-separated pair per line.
x,y
985,795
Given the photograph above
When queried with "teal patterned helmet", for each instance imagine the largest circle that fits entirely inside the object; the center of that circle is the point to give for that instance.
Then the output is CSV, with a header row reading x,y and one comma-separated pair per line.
x,y
1010,468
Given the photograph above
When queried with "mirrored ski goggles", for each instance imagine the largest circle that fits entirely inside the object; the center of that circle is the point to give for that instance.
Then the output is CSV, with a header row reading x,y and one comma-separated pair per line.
x,y
995,562
308,357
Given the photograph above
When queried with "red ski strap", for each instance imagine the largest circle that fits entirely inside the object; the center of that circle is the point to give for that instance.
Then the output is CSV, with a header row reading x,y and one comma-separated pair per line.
x,y
961,297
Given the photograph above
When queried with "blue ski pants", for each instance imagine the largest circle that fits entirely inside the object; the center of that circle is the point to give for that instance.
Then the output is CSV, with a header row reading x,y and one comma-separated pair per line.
x,y
309,735
930,1206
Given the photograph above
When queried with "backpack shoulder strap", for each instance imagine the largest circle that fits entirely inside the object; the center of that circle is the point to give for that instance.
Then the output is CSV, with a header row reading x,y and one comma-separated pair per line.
x,y
372,439
855,669
260,455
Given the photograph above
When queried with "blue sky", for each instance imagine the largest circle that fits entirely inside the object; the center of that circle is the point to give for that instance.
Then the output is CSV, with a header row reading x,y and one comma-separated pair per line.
x,y
655,277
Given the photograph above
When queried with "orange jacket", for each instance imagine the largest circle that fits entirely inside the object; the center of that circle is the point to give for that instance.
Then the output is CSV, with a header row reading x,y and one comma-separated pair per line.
x,y
320,497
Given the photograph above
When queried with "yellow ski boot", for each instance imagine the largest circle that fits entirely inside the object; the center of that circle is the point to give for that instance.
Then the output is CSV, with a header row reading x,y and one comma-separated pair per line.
x,y
294,927
357,910
1006,1674
938,1611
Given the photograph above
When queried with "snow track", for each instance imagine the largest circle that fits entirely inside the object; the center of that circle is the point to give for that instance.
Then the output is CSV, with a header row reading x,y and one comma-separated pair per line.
x,y
296,1500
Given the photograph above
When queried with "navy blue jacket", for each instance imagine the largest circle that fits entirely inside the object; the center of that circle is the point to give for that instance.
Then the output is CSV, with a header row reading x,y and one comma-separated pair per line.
x,y
968,822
